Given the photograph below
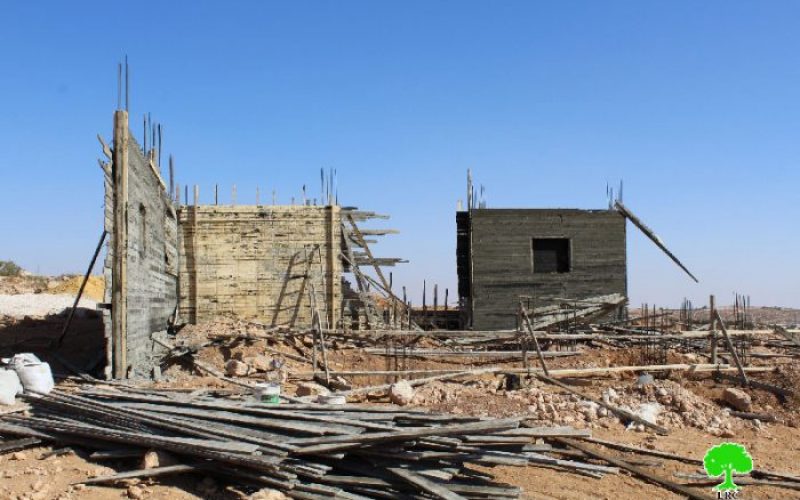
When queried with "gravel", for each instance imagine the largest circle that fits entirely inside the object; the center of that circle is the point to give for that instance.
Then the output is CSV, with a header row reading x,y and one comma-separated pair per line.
x,y
39,304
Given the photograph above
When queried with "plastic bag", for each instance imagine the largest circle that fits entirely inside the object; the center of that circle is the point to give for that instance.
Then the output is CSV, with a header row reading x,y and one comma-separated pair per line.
x,y
9,386
34,374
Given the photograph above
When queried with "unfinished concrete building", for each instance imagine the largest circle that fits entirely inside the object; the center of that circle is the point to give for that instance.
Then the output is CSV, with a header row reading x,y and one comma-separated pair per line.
x,y
541,254
170,263
541,257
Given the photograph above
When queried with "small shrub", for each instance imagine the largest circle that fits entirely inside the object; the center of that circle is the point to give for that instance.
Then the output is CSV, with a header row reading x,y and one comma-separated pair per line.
x,y
9,268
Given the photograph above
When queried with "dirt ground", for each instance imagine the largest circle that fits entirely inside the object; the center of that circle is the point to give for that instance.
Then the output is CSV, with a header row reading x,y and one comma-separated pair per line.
x,y
26,475
692,407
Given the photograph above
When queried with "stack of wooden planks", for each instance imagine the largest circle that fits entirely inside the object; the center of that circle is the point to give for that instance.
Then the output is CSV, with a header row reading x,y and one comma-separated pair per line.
x,y
304,450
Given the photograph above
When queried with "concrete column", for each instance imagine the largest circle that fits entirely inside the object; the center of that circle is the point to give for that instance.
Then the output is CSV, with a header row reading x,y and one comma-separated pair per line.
x,y
119,306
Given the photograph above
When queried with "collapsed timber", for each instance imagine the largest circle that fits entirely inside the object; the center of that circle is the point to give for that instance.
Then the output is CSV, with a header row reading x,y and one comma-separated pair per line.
x,y
304,450
316,451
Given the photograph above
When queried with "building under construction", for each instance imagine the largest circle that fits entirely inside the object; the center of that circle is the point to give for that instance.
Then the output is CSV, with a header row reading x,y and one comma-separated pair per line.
x,y
173,261
539,258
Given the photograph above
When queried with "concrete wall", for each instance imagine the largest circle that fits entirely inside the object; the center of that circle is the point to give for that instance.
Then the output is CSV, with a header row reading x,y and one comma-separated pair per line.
x,y
150,252
260,263
108,263
502,259
152,260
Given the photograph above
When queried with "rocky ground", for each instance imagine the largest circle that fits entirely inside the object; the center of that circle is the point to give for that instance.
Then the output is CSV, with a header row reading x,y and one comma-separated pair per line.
x,y
695,408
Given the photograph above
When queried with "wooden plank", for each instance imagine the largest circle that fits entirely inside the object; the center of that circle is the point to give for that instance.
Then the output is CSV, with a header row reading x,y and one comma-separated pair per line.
x,y
641,473
139,473
18,444
713,327
469,354
757,384
327,445
731,348
424,484
106,150
532,333
653,237
419,381
560,372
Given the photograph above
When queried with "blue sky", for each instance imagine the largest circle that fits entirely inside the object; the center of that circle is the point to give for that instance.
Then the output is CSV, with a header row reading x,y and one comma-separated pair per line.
x,y
694,104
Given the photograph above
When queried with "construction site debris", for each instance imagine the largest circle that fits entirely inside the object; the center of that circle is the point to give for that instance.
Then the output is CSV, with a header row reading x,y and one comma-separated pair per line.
x,y
10,386
401,393
34,375
293,448
738,399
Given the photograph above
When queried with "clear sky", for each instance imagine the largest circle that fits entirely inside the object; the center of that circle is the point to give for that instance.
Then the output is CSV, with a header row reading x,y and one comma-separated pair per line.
x,y
696,105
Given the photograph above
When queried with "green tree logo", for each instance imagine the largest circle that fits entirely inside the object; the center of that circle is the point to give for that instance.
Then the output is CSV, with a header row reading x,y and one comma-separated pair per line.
x,y
727,458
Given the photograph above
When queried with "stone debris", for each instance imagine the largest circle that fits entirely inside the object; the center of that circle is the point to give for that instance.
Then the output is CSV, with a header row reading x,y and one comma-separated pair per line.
x,y
259,363
311,389
135,492
158,458
665,402
401,393
236,368
268,494
738,399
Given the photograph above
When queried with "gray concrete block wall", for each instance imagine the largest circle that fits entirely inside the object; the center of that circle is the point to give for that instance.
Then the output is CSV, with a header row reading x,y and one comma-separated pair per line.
x,y
152,260
502,259
108,263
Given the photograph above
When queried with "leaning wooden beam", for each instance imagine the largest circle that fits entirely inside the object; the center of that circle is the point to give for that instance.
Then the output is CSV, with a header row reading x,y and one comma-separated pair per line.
x,y
380,287
366,300
67,323
790,335
532,333
641,473
612,408
653,237
731,348
106,150
371,259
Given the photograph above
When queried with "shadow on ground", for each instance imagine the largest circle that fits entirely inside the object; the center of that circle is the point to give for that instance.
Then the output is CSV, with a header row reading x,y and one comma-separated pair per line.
x,y
83,348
